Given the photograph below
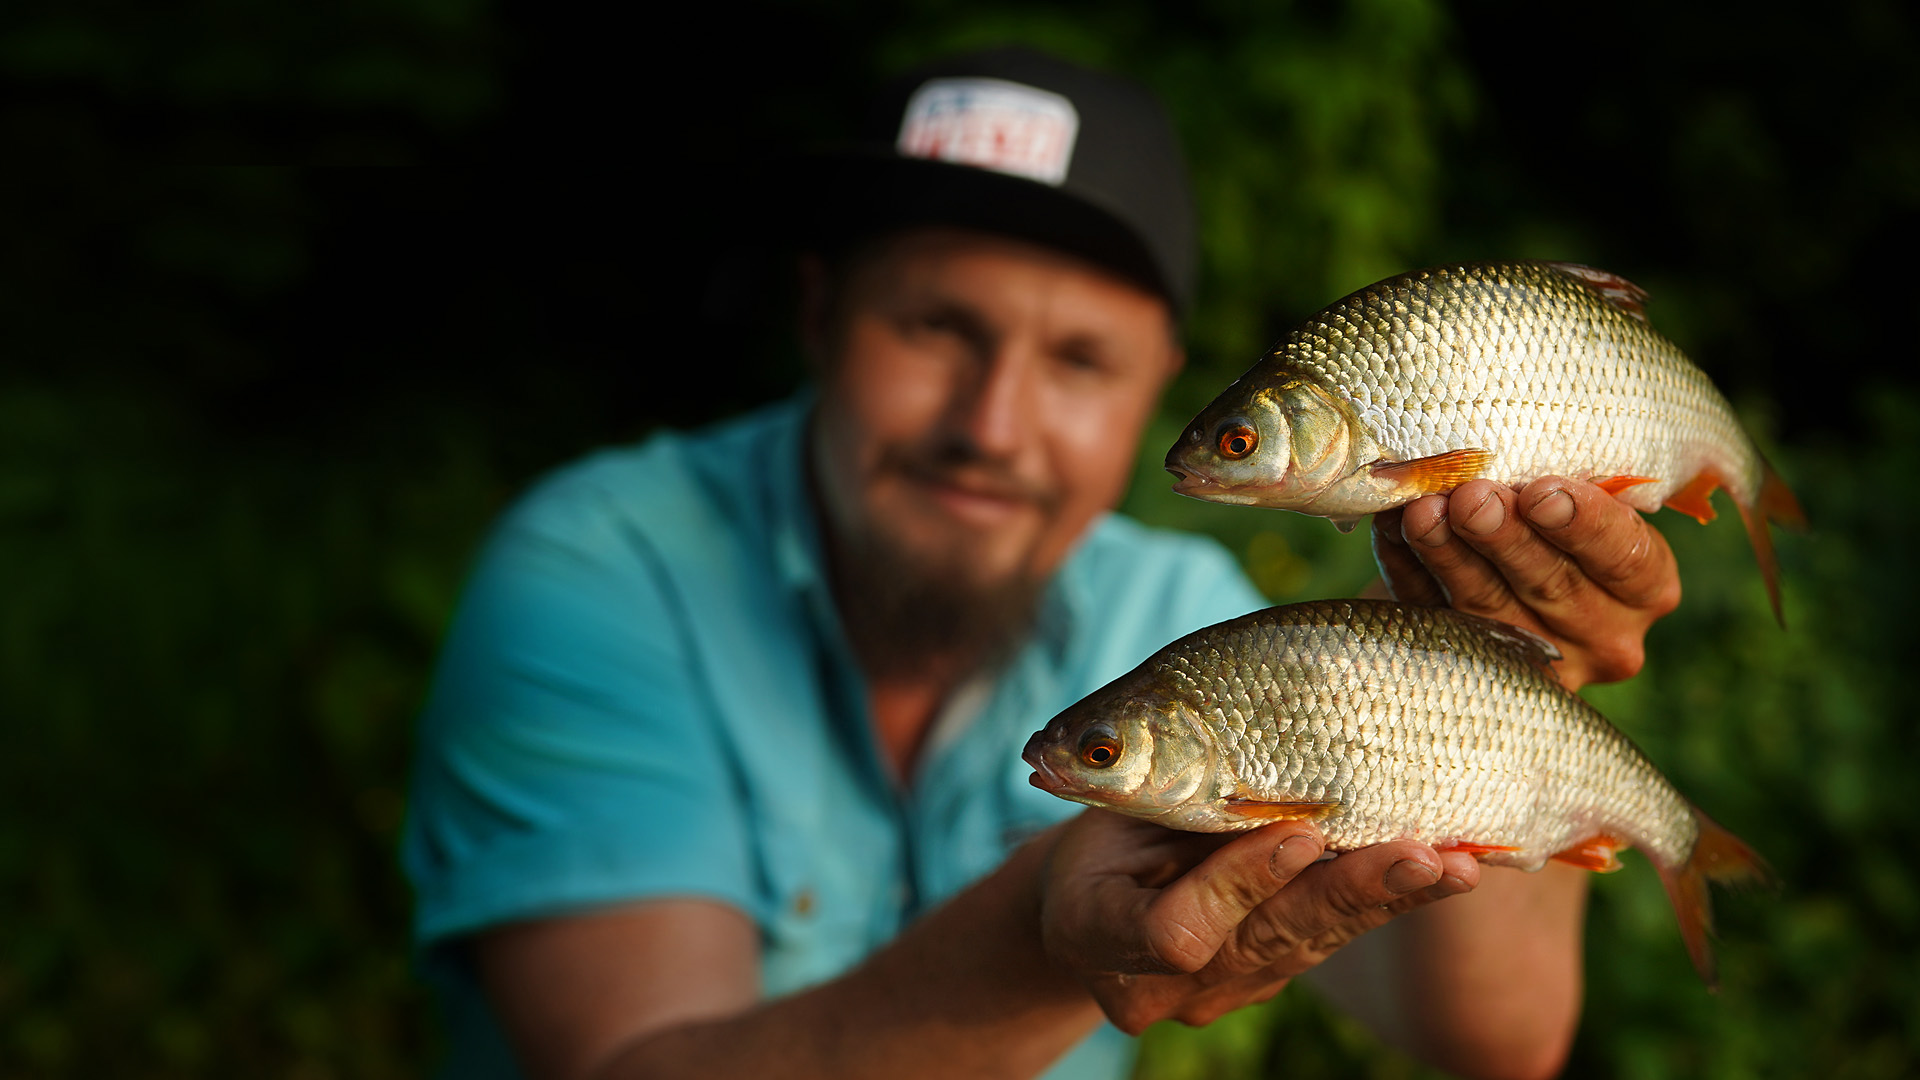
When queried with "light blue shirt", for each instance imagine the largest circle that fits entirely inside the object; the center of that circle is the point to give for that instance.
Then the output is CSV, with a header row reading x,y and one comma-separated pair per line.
x,y
646,693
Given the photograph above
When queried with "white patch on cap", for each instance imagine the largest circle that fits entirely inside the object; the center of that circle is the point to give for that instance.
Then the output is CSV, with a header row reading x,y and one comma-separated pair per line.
x,y
992,124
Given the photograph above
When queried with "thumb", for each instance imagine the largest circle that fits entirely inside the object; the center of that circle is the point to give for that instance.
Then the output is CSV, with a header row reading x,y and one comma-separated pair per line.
x,y
1184,924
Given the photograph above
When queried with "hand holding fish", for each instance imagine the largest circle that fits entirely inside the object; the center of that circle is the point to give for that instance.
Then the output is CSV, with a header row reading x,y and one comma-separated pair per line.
x,y
1159,924
1559,557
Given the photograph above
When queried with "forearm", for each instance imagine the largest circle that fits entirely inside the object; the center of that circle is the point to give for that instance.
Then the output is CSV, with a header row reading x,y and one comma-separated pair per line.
x,y
966,992
1487,984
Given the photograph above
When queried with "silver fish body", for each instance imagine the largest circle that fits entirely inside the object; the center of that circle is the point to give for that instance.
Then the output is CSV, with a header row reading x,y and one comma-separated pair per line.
x,y
1381,721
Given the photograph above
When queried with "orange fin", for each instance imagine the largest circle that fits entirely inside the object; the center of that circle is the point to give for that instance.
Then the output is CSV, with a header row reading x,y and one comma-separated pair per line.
x,y
1720,856
1693,500
1775,503
1478,849
1614,485
1596,853
1267,810
1436,474
1612,288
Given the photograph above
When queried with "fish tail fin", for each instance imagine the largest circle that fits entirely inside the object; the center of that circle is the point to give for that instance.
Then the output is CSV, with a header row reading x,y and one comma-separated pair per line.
x,y
1774,503
1717,855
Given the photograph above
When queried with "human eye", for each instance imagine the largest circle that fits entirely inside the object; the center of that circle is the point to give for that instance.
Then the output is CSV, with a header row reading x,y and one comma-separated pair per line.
x,y
1082,357
937,323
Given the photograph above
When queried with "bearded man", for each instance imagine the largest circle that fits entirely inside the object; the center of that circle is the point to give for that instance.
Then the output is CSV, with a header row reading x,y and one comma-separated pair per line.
x,y
721,773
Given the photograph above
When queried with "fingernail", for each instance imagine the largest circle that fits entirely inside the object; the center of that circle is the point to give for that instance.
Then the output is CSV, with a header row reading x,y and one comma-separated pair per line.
x,y
1293,855
1486,517
1552,510
1454,885
1408,875
1433,537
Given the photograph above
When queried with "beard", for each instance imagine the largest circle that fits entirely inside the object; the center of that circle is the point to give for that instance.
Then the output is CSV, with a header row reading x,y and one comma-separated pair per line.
x,y
917,610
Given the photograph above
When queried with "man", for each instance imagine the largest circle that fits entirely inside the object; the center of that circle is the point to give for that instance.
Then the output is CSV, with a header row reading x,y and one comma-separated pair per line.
x,y
721,776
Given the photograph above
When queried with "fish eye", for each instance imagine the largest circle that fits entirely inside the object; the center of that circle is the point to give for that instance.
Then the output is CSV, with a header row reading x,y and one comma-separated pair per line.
x,y
1237,439
1100,748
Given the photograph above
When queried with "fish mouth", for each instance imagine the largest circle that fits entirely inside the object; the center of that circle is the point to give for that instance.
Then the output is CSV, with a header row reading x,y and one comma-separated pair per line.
x,y
1043,776
1199,487
1188,482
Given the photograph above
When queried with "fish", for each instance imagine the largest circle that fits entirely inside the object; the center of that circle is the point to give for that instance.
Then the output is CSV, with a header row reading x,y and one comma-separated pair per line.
x,y
1505,371
1384,721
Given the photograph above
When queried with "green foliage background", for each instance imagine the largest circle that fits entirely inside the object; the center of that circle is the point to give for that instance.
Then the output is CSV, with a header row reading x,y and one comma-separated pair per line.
x,y
253,421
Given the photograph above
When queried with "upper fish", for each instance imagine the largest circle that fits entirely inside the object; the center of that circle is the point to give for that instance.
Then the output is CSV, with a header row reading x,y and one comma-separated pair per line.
x,y
1505,371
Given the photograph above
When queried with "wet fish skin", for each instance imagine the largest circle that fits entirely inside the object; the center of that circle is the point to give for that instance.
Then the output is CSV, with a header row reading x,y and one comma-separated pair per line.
x,y
1506,371
1381,721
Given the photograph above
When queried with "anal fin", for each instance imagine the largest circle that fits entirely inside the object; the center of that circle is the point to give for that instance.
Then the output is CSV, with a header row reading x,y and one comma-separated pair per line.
x,y
1693,500
1596,853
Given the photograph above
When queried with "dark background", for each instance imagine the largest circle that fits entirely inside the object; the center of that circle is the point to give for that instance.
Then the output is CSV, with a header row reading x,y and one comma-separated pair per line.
x,y
254,418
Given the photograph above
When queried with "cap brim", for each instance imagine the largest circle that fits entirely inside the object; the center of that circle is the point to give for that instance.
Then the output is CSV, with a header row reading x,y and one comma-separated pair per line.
x,y
850,194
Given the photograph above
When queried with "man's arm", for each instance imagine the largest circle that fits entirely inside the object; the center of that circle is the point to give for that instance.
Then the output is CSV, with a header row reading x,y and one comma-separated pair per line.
x,y
1491,983
1104,912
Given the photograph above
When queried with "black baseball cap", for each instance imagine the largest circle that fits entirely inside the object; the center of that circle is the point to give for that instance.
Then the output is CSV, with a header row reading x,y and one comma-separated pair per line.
x,y
1016,142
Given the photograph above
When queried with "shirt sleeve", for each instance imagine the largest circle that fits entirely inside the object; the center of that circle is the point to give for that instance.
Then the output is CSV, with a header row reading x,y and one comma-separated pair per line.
x,y
567,756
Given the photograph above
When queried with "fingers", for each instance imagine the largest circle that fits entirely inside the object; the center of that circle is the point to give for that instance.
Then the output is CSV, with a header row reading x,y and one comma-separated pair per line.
x,y
1127,896
1614,546
1327,906
1185,924
1210,947
1561,557
1335,901
1406,577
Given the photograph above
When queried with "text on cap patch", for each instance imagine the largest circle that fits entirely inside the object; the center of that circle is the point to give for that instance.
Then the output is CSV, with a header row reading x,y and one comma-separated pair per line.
x,y
991,124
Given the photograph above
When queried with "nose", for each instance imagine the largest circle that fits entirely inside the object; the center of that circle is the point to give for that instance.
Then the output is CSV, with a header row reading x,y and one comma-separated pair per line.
x,y
995,408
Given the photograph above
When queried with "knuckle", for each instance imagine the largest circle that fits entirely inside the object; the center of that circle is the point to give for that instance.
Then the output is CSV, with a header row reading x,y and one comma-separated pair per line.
x,y
1665,597
1198,1015
1347,906
1560,584
1617,658
1476,593
1131,1015
1262,941
1176,948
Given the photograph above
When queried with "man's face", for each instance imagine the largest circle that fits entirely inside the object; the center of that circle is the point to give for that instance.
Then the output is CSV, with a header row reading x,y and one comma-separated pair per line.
x,y
981,402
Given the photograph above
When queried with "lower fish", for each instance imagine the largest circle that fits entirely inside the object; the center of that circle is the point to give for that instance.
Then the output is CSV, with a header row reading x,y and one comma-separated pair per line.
x,y
1382,721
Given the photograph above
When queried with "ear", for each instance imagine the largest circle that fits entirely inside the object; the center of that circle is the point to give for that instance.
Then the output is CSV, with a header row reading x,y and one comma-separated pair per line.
x,y
815,311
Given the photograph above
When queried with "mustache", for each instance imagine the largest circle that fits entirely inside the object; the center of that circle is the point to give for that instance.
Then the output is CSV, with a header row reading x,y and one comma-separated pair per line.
x,y
959,463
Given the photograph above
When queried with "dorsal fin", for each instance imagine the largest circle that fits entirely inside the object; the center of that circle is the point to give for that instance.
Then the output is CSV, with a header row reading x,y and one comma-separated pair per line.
x,y
1613,288
1526,644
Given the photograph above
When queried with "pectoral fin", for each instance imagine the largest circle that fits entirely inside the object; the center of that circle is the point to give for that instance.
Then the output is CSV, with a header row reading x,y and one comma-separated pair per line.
x,y
1266,810
1433,475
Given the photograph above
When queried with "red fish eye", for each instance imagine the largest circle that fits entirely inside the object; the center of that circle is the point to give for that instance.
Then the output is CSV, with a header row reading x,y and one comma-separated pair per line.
x,y
1100,753
1238,441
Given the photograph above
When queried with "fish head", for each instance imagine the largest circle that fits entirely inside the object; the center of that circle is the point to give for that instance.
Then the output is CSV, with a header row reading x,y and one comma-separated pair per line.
x,y
1275,440
1140,754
